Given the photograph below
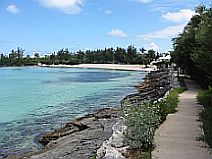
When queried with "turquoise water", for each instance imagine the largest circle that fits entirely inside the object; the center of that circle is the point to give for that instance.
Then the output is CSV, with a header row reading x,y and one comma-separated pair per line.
x,y
35,100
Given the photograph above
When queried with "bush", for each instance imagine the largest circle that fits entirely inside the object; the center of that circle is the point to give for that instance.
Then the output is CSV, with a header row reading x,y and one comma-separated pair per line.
x,y
142,121
206,117
205,98
141,124
162,110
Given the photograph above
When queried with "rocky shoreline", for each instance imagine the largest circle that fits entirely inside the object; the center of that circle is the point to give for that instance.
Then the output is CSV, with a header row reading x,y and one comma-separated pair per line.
x,y
156,84
82,137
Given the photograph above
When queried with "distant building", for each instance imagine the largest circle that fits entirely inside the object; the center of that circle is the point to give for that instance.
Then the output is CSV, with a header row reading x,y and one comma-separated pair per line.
x,y
162,62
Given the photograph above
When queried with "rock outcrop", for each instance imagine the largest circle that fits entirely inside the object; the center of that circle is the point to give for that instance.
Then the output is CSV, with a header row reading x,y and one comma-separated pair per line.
x,y
80,124
103,130
114,147
155,85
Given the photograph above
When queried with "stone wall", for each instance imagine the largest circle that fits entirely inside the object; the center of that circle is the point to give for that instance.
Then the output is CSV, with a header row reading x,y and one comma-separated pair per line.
x,y
155,85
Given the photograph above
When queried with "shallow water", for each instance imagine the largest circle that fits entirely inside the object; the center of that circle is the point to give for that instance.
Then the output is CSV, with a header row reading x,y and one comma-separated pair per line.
x,y
35,100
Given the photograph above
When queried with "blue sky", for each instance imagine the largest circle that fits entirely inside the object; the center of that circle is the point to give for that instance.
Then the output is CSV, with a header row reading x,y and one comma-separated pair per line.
x,y
45,26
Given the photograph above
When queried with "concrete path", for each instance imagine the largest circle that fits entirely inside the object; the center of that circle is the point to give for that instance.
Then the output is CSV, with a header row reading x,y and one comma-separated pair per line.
x,y
177,137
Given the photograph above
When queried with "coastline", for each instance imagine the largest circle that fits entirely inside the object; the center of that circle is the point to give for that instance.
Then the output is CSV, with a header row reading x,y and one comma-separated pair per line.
x,y
105,66
81,137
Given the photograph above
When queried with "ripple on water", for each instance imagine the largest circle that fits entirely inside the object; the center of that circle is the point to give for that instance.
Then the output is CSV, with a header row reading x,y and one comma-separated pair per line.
x,y
21,135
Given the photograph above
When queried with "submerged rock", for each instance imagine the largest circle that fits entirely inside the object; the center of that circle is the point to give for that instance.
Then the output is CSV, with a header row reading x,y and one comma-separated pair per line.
x,y
68,129
79,124
80,139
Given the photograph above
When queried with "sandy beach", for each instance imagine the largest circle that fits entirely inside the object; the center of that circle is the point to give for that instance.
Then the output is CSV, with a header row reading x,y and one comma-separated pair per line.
x,y
105,66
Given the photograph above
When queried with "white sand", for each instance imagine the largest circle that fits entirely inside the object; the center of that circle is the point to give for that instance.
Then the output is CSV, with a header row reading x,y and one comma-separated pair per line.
x,y
105,66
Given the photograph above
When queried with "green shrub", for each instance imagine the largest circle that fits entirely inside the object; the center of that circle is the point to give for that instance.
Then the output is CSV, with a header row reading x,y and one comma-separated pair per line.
x,y
141,124
206,117
162,110
205,98
142,121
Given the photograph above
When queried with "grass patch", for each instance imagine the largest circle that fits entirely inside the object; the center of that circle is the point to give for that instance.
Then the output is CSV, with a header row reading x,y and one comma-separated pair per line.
x,y
172,100
206,117
205,98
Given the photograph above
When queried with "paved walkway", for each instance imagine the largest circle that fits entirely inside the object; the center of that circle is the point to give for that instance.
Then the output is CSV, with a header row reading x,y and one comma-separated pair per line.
x,y
177,137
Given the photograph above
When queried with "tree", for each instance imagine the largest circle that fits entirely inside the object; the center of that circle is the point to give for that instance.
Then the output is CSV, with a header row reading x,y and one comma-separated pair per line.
x,y
20,52
151,55
142,50
193,49
131,54
36,55
13,54
203,36
120,55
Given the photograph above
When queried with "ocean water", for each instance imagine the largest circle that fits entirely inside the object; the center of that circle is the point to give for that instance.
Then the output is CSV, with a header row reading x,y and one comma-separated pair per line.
x,y
36,100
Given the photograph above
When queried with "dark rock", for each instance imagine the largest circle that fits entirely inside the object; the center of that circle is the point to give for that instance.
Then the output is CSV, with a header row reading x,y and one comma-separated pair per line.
x,y
155,85
82,137
79,124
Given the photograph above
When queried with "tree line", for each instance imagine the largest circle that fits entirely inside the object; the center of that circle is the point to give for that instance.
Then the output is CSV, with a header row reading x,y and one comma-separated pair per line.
x,y
193,48
118,55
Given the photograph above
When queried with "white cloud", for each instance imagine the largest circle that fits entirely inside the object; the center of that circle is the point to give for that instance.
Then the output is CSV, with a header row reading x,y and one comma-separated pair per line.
x,y
12,9
108,12
168,32
152,46
117,33
184,15
164,6
66,6
143,1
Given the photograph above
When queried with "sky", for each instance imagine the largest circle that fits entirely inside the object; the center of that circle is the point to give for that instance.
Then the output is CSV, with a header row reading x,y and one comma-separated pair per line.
x,y
46,26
